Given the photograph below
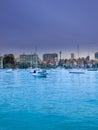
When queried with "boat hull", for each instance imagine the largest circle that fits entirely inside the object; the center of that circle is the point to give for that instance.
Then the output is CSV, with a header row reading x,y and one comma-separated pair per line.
x,y
40,73
77,72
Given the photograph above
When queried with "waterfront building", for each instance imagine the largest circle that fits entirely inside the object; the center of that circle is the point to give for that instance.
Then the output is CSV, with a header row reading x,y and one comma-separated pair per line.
x,y
96,55
50,58
9,61
1,62
29,58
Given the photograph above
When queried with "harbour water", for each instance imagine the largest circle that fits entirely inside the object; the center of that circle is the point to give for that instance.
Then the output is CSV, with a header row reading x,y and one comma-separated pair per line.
x,y
61,101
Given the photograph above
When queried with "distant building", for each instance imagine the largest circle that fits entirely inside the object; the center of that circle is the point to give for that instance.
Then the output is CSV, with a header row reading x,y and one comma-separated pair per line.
x,y
72,56
9,61
60,55
29,59
50,58
1,62
96,55
17,59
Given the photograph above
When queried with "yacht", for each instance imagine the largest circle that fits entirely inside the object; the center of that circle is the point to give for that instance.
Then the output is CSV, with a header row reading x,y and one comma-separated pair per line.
x,y
39,73
77,71
92,69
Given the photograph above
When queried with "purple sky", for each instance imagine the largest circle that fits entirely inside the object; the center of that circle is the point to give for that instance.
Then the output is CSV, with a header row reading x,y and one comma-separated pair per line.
x,y
52,25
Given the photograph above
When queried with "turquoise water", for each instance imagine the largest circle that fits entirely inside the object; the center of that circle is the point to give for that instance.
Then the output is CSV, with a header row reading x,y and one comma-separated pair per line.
x,y
62,101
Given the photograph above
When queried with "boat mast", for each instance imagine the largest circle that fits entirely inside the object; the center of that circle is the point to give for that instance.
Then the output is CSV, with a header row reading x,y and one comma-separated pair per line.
x,y
78,50
31,60
36,65
78,54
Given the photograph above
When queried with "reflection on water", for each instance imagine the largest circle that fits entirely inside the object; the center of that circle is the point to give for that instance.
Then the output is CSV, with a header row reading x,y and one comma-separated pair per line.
x,y
59,102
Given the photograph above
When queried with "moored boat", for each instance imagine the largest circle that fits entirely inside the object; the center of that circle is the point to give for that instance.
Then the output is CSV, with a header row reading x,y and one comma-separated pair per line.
x,y
9,70
39,73
92,69
77,71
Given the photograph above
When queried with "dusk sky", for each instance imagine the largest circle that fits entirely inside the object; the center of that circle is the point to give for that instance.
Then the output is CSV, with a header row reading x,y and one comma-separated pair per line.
x,y
52,25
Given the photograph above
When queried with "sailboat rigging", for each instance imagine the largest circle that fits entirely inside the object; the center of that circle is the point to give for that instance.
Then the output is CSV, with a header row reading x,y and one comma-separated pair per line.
x,y
38,72
78,70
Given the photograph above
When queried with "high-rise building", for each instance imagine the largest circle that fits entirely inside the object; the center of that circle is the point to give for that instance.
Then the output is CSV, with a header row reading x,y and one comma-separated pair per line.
x,y
29,58
50,58
96,55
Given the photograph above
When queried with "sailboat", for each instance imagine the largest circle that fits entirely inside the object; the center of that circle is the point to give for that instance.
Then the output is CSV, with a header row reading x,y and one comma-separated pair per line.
x,y
39,72
77,70
31,69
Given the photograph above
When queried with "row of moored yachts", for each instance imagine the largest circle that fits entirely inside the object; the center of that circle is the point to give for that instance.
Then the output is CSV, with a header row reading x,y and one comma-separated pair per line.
x,y
43,72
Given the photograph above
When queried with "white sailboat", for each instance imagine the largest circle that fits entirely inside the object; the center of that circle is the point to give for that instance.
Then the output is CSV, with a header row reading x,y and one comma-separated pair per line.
x,y
39,72
31,69
77,70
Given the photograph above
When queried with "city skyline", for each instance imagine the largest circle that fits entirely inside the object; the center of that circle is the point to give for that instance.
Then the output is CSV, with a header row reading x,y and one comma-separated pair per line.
x,y
52,25
63,55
